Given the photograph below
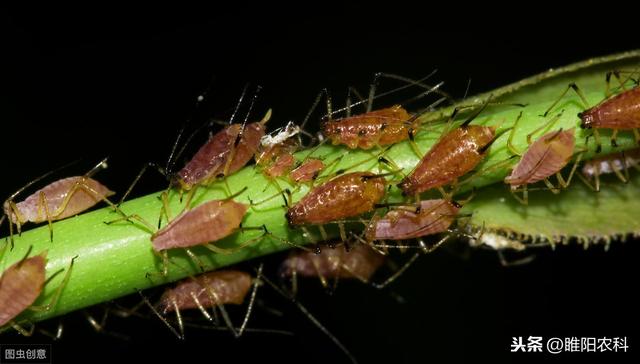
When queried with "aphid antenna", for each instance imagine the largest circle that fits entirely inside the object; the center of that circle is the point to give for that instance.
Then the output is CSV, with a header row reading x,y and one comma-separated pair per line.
x,y
576,89
311,318
410,83
434,89
239,103
40,178
476,113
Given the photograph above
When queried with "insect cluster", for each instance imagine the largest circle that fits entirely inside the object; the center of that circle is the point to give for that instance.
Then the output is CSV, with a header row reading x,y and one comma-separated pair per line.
x,y
355,202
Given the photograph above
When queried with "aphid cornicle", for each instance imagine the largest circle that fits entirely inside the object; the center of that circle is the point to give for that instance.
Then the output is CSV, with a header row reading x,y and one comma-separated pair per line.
x,y
432,217
56,201
617,163
345,196
359,262
453,156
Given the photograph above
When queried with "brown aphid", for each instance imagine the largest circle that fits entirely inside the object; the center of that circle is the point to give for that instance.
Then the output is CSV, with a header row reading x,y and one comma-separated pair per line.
x,y
20,286
226,152
375,128
544,158
205,223
345,196
432,217
453,156
621,111
616,163
58,200
207,290
359,262
307,171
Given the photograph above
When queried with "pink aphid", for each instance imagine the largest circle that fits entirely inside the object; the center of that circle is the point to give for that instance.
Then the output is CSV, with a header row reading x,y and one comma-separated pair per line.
x,y
433,217
307,171
58,200
359,262
226,152
20,286
205,223
207,290
545,157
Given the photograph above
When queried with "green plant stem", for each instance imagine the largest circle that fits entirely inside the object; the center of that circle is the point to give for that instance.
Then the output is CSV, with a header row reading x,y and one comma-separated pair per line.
x,y
113,260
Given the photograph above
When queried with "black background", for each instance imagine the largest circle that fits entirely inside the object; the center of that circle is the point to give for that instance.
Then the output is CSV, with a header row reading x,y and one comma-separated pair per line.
x,y
118,82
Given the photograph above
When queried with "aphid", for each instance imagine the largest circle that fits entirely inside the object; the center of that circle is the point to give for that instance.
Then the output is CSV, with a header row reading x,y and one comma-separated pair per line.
x,y
56,201
226,152
209,222
613,163
617,112
308,171
454,155
275,153
544,158
20,286
359,262
209,290
200,226
223,154
375,128
345,196
431,217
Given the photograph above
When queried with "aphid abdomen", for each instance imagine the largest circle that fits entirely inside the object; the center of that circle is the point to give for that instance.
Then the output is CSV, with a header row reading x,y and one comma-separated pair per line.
x,y
358,262
206,223
307,172
435,216
281,166
611,163
545,157
212,157
454,155
20,285
365,131
621,111
229,287
346,196
81,199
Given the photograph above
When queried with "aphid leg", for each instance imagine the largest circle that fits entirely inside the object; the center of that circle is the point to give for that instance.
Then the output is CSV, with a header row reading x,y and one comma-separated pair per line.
x,y
505,262
348,103
636,135
525,194
586,181
554,189
154,166
397,273
323,233
54,299
216,249
561,181
614,134
42,202
545,126
311,318
574,87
